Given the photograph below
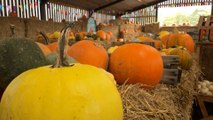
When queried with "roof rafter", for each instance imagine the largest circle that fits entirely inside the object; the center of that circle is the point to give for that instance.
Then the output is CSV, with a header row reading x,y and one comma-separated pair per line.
x,y
109,4
145,5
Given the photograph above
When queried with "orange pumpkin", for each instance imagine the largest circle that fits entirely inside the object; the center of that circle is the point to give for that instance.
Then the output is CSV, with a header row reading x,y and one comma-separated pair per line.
x,y
82,35
157,43
137,63
108,37
179,39
44,48
71,34
101,34
89,52
187,41
110,33
54,46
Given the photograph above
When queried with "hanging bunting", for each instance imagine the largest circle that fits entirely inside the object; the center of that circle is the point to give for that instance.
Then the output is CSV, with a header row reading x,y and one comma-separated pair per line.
x,y
14,8
36,4
8,8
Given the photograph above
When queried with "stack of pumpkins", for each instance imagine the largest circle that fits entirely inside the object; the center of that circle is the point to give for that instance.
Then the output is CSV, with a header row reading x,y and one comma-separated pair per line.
x,y
178,43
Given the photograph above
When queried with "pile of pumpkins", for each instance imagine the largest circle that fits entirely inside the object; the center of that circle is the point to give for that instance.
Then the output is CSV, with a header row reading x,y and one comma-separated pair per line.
x,y
79,91
178,43
77,36
83,90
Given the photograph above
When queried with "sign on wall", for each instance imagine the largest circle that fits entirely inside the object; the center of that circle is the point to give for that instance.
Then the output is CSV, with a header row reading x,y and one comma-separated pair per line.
x,y
91,25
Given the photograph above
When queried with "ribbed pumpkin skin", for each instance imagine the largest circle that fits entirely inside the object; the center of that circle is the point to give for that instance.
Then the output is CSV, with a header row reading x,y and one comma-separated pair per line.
x,y
80,92
185,57
180,39
187,41
136,63
89,52
44,48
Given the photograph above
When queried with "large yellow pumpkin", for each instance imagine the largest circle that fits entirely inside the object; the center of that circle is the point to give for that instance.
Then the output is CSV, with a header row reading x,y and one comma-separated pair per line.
x,y
78,92
136,63
185,57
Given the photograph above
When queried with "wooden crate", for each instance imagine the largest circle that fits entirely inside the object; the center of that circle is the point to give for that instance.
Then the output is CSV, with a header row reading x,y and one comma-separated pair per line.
x,y
200,101
205,21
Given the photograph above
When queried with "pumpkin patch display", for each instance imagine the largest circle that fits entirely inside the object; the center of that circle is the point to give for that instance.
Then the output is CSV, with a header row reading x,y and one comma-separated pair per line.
x,y
89,52
136,63
16,56
62,92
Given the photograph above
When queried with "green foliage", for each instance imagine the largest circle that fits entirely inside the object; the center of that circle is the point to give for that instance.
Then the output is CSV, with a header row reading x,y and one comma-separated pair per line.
x,y
192,19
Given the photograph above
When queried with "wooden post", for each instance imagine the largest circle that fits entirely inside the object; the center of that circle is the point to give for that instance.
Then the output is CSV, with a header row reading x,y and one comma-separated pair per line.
x,y
42,7
212,8
156,17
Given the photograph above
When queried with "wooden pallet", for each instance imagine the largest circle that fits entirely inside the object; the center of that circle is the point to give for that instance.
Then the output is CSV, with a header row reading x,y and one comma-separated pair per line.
x,y
171,76
171,72
121,43
200,100
171,61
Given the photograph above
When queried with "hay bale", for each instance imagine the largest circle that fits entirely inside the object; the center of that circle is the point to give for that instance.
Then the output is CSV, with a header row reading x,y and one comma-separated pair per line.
x,y
164,102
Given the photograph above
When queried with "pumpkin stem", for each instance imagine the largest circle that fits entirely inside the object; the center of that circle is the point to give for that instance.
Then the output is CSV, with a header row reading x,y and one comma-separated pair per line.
x,y
62,48
47,40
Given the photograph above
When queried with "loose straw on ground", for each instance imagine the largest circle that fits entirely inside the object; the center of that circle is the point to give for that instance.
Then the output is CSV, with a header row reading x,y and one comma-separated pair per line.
x,y
164,102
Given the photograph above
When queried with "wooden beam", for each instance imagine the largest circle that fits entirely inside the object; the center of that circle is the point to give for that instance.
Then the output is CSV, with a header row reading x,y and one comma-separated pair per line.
x,y
212,9
104,6
109,4
145,5
42,8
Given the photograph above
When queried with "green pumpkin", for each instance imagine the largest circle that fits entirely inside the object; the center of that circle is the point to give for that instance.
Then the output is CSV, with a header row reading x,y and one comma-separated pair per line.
x,y
16,56
77,37
186,59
